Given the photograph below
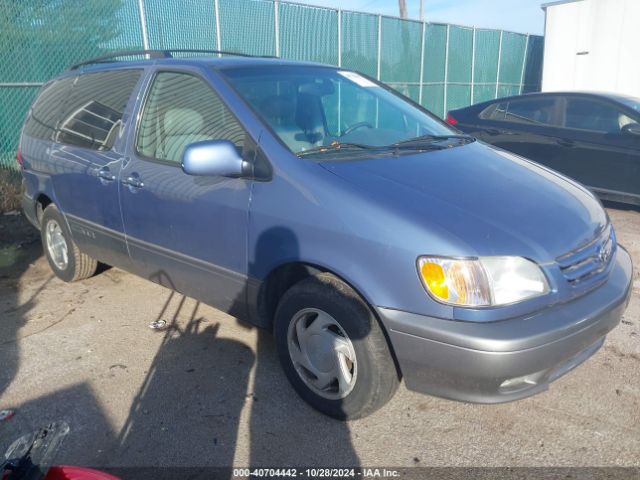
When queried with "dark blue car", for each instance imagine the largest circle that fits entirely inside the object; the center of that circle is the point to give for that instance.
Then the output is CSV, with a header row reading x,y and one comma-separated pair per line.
x,y
374,241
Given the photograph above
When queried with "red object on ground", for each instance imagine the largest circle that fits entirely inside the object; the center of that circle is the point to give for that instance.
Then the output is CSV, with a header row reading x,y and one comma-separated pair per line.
x,y
64,472
6,415
451,120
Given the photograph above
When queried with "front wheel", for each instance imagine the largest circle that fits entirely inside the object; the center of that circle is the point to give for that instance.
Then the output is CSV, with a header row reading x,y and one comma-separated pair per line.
x,y
332,348
65,259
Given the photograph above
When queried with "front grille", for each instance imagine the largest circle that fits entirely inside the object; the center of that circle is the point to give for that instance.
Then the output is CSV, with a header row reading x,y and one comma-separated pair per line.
x,y
589,261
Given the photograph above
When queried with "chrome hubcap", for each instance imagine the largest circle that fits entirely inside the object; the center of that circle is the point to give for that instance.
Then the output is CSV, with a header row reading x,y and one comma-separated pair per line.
x,y
322,353
56,245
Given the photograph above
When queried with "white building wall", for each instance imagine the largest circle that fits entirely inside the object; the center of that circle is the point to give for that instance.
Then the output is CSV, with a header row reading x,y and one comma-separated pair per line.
x,y
593,45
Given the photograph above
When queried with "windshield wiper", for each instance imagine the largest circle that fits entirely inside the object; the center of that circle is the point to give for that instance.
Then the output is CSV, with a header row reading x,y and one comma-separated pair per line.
x,y
421,140
336,146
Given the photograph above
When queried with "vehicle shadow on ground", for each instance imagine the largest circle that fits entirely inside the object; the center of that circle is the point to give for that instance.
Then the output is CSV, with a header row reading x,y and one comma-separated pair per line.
x,y
18,250
192,408
75,404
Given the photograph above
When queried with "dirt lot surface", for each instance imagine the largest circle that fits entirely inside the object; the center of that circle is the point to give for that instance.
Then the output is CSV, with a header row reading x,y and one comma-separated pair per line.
x,y
209,391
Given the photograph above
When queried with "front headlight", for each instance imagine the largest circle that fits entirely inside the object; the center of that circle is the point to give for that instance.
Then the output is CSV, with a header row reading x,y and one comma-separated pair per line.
x,y
483,281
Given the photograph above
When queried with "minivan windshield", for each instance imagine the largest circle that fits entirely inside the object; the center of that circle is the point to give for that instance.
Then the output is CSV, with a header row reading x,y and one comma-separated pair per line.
x,y
318,110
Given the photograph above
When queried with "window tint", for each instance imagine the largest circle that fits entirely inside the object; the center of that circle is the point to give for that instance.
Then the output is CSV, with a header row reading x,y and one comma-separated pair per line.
x,y
529,111
46,110
495,112
538,112
585,114
182,109
92,114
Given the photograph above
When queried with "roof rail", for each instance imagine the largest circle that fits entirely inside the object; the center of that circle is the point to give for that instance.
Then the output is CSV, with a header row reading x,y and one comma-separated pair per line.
x,y
153,54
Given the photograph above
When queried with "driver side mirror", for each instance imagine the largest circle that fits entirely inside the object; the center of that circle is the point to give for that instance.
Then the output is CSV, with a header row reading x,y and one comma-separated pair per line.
x,y
214,158
632,129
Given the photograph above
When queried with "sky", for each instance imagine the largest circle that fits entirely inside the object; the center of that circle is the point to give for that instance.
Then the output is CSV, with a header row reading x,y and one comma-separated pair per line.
x,y
523,16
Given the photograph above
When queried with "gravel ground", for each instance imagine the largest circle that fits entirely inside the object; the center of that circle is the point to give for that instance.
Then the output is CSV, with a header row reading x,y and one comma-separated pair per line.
x,y
209,391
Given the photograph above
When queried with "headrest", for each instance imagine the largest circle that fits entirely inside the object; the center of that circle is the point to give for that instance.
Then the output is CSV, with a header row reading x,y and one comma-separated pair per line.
x,y
182,121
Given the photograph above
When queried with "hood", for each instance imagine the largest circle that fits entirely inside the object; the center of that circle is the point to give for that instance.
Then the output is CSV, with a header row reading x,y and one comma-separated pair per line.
x,y
480,200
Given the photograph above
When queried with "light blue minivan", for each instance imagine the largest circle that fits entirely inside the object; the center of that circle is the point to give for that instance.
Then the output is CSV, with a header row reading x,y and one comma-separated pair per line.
x,y
376,242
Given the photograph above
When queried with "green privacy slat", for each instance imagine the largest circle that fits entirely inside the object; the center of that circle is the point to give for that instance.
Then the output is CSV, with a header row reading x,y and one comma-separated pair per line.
x,y
483,93
410,91
15,102
40,39
513,46
435,44
460,54
308,33
239,18
433,98
508,90
400,52
487,53
533,65
184,24
360,42
458,96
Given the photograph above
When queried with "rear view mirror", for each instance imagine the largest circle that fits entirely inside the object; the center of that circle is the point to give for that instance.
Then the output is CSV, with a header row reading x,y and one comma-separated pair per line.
x,y
632,129
214,158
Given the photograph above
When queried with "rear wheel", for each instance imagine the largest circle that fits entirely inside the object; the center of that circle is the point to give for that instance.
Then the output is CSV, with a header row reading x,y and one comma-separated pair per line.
x,y
66,260
332,348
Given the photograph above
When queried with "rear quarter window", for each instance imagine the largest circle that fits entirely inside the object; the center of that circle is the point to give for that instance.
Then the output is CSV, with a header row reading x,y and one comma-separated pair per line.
x,y
44,115
92,113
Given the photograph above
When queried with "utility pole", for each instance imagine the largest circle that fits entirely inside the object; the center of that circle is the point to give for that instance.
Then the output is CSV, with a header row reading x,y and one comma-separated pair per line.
x,y
403,8
422,10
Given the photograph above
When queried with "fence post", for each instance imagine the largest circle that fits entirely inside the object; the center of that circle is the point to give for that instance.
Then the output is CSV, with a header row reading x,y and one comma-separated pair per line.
x,y
339,37
499,62
276,26
424,27
216,7
379,45
446,71
524,63
473,66
143,25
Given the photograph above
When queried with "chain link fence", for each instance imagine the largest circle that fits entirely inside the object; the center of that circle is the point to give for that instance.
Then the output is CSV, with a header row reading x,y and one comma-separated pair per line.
x,y
442,67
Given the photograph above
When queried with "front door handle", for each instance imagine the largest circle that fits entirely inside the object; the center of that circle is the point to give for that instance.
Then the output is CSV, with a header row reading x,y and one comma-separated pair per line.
x,y
133,181
105,175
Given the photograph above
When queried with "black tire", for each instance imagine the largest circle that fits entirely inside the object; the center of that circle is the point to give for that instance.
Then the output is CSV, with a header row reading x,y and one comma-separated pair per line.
x,y
377,378
79,265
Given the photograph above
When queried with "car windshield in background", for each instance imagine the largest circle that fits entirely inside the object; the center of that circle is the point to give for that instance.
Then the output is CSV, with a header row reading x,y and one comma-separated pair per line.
x,y
332,112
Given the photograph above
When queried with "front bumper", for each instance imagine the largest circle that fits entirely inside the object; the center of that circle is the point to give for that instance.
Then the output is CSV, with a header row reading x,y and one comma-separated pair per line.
x,y
510,359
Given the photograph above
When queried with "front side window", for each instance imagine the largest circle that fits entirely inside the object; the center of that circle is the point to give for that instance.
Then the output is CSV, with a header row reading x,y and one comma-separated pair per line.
x,y
309,107
531,111
182,109
92,115
595,116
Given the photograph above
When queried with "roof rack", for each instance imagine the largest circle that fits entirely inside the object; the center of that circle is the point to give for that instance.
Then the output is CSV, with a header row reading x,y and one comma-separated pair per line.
x,y
154,54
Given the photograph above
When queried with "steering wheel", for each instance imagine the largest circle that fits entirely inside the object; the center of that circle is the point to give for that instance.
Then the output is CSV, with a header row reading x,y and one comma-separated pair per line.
x,y
356,126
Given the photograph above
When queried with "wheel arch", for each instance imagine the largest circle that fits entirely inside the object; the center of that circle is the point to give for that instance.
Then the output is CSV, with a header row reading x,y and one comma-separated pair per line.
x,y
282,277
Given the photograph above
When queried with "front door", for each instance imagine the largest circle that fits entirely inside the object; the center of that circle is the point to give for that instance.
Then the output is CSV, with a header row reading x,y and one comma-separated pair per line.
x,y
601,154
526,126
186,232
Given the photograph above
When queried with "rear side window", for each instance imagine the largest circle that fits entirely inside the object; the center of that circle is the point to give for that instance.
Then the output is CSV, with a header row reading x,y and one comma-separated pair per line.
x,y
92,114
595,116
526,111
182,109
45,113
